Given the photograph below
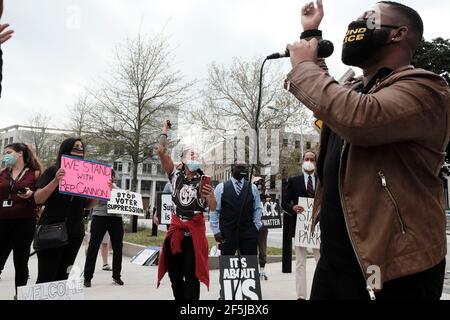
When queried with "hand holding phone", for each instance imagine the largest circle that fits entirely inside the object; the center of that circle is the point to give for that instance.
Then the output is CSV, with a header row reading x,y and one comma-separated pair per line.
x,y
204,181
22,191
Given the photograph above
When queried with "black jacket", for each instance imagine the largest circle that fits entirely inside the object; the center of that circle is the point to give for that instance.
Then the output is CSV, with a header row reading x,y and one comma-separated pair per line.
x,y
295,188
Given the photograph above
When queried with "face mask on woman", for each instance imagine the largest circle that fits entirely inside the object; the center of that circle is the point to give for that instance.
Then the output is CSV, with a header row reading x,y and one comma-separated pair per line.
x,y
193,165
9,159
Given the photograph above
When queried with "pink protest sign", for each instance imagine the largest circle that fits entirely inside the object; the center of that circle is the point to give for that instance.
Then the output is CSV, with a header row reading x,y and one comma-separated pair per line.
x,y
85,178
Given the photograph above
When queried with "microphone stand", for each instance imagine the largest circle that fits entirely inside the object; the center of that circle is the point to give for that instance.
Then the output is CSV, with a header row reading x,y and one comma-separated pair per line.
x,y
250,187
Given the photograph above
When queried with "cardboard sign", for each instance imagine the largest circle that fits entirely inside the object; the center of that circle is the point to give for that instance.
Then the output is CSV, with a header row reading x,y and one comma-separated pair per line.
x,y
126,203
271,215
84,178
164,207
57,290
303,235
146,257
239,281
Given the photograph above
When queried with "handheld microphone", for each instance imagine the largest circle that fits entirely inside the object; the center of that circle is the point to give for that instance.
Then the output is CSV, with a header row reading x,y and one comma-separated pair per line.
x,y
325,49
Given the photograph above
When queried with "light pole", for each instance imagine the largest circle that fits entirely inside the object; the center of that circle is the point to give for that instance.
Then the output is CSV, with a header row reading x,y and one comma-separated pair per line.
x,y
301,130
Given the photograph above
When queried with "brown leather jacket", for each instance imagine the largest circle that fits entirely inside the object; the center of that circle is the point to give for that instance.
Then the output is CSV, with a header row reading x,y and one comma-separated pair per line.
x,y
394,142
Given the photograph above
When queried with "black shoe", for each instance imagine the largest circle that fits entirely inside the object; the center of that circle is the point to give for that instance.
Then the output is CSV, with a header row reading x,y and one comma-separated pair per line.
x,y
87,283
118,281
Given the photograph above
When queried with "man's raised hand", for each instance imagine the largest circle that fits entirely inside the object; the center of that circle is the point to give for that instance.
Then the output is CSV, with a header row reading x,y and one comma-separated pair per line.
x,y
311,16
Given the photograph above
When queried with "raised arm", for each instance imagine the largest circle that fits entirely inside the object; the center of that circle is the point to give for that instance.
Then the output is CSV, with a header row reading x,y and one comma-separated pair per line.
x,y
166,160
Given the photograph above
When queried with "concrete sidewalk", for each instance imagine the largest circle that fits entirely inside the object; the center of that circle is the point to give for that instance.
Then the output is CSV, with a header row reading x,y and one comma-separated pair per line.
x,y
140,282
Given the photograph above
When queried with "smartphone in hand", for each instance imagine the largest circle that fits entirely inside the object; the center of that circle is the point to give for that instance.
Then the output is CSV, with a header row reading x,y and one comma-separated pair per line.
x,y
204,180
22,191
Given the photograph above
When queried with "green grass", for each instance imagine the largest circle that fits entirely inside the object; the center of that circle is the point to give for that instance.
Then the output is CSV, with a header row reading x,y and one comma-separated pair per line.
x,y
144,237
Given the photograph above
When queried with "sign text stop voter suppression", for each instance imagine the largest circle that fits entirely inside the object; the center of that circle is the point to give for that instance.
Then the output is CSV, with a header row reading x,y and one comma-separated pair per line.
x,y
125,202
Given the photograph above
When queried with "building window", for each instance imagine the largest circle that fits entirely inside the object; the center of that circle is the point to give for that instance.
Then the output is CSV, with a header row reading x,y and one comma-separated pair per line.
x,y
146,185
118,166
285,142
308,145
127,184
146,168
119,183
129,167
273,182
160,186
297,144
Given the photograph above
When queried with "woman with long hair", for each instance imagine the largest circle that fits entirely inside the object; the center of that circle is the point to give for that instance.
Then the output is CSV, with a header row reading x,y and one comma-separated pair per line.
x,y
185,249
17,207
54,263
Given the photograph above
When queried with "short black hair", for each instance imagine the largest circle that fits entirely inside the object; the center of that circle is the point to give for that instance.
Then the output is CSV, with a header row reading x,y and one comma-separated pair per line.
x,y
411,15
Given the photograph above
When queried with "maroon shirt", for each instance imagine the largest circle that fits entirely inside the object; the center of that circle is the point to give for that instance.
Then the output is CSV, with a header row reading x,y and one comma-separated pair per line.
x,y
21,208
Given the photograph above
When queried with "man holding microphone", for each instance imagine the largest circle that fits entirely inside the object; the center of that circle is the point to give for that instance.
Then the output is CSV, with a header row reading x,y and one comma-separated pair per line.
x,y
379,197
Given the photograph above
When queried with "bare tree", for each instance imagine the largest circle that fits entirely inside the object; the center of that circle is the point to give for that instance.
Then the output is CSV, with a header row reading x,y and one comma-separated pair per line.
x,y
231,99
80,115
143,90
39,135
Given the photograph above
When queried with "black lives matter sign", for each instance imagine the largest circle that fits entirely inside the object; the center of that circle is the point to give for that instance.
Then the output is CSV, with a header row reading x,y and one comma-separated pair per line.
x,y
239,280
271,214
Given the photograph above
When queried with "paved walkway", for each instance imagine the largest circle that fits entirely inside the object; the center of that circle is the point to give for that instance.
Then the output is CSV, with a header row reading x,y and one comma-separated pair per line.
x,y
140,282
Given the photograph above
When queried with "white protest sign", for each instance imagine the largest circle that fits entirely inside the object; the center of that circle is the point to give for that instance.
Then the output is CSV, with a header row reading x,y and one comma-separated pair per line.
x,y
58,290
303,236
126,203
166,208
143,256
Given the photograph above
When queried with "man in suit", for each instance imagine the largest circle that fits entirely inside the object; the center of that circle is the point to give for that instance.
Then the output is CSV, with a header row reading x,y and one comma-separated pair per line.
x,y
303,185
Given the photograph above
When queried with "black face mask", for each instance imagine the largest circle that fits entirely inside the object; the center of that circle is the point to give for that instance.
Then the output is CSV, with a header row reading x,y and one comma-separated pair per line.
x,y
79,151
240,172
362,43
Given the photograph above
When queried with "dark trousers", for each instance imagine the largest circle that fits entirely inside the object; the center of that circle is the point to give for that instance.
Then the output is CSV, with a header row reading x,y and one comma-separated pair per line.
x,y
248,245
332,282
262,246
53,264
99,226
185,285
17,235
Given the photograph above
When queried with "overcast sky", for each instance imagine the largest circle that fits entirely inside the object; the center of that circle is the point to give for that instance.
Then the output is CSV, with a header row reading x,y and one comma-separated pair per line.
x,y
61,46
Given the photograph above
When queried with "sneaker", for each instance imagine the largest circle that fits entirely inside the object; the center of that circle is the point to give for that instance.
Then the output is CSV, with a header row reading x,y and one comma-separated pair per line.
x,y
265,276
118,281
107,267
87,283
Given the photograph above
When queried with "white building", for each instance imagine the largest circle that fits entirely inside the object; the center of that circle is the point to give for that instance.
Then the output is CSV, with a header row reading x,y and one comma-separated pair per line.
x,y
151,178
289,141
